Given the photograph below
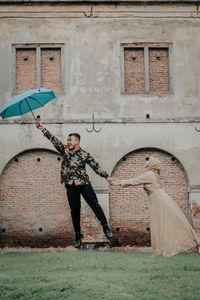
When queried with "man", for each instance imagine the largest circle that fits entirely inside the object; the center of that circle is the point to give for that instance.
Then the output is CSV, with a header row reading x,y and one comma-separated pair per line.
x,y
76,180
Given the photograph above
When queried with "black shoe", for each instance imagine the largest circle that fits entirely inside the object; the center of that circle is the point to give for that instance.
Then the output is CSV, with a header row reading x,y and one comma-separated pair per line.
x,y
77,244
107,231
79,235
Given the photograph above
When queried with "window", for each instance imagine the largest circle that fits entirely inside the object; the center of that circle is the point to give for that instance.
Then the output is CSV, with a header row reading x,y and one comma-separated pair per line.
x,y
146,68
38,65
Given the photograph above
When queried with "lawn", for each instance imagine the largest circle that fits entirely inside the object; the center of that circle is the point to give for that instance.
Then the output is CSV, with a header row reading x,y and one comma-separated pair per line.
x,y
95,275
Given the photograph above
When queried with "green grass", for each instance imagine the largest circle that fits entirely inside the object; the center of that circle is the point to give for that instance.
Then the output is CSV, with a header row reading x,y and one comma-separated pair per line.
x,y
95,275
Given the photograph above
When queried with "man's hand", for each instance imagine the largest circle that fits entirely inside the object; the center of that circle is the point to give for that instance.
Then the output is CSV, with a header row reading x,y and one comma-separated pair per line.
x,y
109,179
39,124
113,181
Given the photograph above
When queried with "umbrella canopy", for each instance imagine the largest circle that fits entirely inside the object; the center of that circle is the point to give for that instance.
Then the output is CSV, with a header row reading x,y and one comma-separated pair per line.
x,y
26,102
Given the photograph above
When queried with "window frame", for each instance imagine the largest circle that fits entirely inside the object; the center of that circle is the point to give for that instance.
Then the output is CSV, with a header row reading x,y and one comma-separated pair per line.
x,y
38,47
146,46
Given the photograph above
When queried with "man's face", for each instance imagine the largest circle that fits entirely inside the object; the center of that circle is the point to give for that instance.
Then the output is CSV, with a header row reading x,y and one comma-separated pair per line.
x,y
73,142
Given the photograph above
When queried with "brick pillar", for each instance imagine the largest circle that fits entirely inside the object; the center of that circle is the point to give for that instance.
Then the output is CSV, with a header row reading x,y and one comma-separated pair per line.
x,y
195,208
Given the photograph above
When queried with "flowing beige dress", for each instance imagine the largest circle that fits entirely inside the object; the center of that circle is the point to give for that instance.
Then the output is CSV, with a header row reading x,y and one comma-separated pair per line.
x,y
171,233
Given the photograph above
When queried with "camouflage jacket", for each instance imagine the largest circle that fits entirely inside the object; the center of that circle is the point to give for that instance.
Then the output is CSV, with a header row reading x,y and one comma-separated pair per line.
x,y
74,162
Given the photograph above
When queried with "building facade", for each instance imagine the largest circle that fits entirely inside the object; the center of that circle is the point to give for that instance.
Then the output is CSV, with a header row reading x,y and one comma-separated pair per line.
x,y
126,77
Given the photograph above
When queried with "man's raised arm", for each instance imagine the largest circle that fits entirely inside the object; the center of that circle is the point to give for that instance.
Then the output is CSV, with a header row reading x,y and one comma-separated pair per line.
x,y
54,140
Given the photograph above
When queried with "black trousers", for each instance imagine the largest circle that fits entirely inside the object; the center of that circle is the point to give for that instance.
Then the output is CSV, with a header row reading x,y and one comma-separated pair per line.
x,y
74,193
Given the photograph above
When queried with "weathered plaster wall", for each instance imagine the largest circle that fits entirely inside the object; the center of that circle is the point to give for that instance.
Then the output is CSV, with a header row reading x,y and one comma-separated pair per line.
x,y
112,143
92,47
93,78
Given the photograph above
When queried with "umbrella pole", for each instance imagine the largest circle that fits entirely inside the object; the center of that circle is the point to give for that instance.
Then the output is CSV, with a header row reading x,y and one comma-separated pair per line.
x,y
33,115
30,109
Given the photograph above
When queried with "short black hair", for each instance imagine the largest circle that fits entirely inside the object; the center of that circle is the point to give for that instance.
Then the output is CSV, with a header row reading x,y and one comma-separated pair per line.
x,y
76,135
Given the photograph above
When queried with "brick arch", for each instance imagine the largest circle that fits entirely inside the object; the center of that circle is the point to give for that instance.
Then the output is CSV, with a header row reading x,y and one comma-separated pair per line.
x,y
33,204
129,213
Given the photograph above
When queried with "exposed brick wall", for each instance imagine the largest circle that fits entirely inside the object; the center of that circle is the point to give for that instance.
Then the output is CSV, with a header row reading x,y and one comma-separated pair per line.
x,y
90,226
34,209
129,214
135,73
158,70
195,217
25,70
27,64
51,69
134,70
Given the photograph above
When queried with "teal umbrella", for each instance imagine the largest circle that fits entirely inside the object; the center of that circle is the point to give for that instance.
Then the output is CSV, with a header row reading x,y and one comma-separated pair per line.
x,y
26,102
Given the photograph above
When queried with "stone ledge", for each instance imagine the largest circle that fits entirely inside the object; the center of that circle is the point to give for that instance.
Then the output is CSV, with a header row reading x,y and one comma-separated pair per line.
x,y
138,2
194,121
194,189
87,246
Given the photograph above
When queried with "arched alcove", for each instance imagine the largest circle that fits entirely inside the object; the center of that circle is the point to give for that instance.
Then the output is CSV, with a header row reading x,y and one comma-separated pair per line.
x,y
33,204
129,213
